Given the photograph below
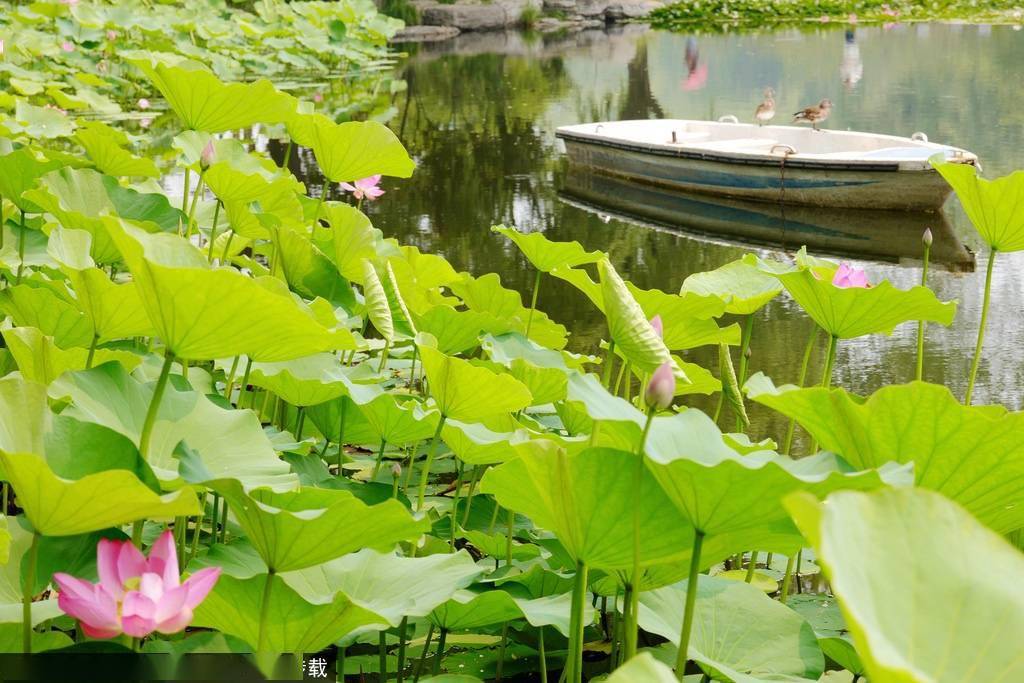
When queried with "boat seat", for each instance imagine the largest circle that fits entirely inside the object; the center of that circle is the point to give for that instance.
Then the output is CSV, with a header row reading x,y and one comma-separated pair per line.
x,y
751,145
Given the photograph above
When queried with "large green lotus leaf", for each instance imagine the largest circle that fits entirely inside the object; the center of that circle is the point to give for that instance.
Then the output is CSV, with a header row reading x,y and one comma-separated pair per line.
x,y
103,146
971,454
477,444
41,307
299,529
328,417
687,318
630,329
40,359
643,668
547,255
19,171
11,583
736,500
229,443
377,309
472,610
455,331
588,501
203,312
420,278
59,507
352,150
506,348
114,310
39,122
80,198
387,584
303,381
292,625
310,272
740,284
856,311
486,294
995,207
399,423
469,393
203,102
352,239
903,633
739,634
25,417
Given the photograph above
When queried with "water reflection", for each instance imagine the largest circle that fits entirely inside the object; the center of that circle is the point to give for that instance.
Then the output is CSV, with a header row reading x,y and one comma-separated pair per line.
x,y
851,69
479,116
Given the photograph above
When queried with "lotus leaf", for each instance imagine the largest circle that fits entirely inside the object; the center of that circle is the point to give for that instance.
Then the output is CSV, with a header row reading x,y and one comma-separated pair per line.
x,y
995,207
546,255
901,631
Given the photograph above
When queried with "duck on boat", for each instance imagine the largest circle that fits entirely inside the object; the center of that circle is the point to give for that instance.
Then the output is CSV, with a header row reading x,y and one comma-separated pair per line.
x,y
830,168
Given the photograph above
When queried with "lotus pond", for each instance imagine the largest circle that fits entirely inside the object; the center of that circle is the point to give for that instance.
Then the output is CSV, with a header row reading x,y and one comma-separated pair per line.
x,y
238,416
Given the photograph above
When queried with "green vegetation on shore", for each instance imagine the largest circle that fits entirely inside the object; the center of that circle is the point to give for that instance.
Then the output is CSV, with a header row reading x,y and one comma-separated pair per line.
x,y
752,13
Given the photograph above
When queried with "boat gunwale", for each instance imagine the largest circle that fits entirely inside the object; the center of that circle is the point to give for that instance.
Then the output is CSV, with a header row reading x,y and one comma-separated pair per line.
x,y
681,151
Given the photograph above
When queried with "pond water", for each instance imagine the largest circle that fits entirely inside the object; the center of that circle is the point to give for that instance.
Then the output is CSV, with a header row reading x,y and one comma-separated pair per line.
x,y
479,117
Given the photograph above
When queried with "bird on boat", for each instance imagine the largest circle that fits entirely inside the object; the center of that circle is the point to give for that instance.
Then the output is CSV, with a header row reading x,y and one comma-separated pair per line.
x,y
766,110
814,114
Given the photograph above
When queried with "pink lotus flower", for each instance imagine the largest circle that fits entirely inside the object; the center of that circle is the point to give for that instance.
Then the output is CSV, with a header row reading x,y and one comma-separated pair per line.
x,y
367,187
824,19
658,326
111,35
67,46
318,97
847,276
143,103
662,387
136,595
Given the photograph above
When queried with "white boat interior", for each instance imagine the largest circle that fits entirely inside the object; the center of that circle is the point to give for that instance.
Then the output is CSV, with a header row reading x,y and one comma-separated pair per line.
x,y
740,140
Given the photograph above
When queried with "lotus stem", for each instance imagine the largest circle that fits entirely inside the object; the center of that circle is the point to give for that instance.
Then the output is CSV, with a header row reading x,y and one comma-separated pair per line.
x,y
213,230
613,656
402,639
691,600
380,459
341,434
21,249
6,494
423,655
921,323
154,404
287,155
533,303
494,518
632,628
618,378
981,327
227,246
748,331
425,474
184,189
300,421
808,350
500,668
384,356
412,368
261,645
830,361
751,567
455,505
230,387
543,656
195,202
473,478
435,668
199,528
224,522
26,593
786,579
382,653
574,665
214,529
608,362
92,350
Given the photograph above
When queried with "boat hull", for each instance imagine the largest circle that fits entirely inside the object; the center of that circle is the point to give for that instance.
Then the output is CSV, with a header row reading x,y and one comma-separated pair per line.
x,y
882,186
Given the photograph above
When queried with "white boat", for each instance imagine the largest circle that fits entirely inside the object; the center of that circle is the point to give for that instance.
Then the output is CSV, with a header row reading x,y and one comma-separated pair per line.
x,y
843,169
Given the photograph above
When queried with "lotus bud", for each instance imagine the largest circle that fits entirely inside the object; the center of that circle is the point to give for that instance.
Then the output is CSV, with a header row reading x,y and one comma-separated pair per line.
x,y
208,156
662,387
927,237
396,470
658,326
